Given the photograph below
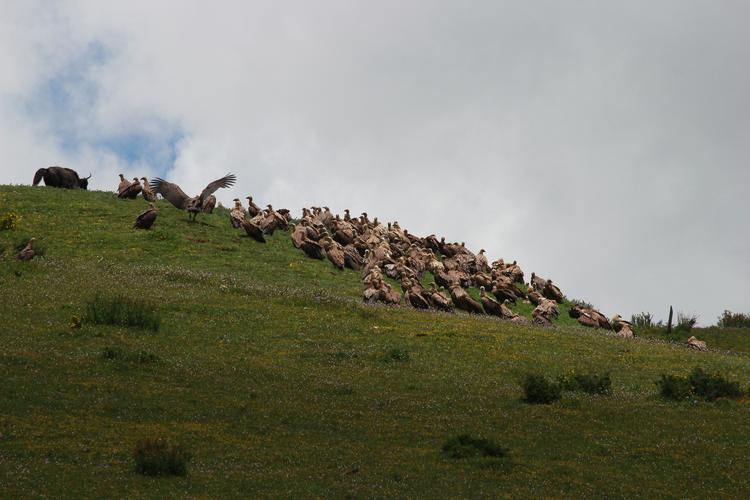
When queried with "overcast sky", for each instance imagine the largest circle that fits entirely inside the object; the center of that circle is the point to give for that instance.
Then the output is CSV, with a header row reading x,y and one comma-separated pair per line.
x,y
605,145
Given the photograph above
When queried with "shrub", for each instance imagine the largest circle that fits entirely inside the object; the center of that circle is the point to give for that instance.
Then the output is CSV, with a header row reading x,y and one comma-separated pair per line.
x,y
699,384
591,383
398,355
734,320
465,446
711,387
9,221
158,457
582,303
539,390
113,352
685,322
124,312
674,388
644,321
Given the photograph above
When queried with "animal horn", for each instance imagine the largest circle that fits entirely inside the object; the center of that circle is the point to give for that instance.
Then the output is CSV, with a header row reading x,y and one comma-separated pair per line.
x,y
89,177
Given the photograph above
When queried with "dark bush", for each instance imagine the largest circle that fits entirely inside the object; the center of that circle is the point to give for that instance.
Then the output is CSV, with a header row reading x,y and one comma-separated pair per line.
x,y
734,320
123,312
158,457
539,390
674,388
465,446
699,384
711,387
591,383
398,355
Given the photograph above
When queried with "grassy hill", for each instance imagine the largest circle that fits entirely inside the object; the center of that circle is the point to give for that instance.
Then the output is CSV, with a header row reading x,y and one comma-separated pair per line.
x,y
271,372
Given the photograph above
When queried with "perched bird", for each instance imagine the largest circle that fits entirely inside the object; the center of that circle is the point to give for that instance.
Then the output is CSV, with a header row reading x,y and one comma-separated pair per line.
x,y
237,214
464,301
252,230
312,249
131,191
252,208
146,219
27,253
124,183
438,299
209,205
177,197
146,191
491,306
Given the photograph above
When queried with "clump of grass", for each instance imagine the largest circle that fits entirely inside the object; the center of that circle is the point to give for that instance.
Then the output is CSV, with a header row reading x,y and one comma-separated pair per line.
x,y
582,303
114,352
685,322
465,446
591,383
398,355
699,384
9,221
645,321
538,389
124,312
158,457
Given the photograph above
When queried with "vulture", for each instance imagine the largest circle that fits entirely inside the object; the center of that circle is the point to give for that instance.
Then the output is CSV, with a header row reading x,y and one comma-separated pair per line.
x,y
27,253
623,328
131,191
253,231
252,208
146,219
480,262
209,205
334,253
124,183
463,300
413,295
534,296
491,306
696,344
537,282
552,292
352,258
146,191
312,249
177,197
438,299
237,214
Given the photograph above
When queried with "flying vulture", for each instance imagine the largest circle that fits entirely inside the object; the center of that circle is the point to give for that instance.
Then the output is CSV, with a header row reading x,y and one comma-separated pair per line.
x,y
177,197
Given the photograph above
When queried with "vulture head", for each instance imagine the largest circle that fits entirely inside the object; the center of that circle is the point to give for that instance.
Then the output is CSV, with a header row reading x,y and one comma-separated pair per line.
x,y
122,177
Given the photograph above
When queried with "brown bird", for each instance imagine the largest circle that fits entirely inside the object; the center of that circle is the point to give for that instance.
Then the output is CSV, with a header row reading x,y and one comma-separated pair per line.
x,y
463,300
253,231
27,253
312,249
438,299
146,191
131,191
413,295
209,205
491,306
177,197
124,183
252,208
146,219
334,252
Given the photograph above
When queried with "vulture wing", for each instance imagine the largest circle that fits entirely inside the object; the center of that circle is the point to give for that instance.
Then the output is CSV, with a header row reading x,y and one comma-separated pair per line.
x,y
145,220
226,181
171,192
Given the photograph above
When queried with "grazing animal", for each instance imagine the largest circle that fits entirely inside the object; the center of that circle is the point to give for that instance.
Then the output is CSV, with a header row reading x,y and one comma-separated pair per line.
x,y
61,177
177,197
146,219
131,191
146,191
27,253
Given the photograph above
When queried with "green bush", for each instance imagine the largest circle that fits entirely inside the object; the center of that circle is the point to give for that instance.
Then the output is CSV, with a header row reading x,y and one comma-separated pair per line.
x,y
699,384
591,383
9,221
674,388
465,446
711,387
539,390
398,355
734,320
685,322
124,312
158,457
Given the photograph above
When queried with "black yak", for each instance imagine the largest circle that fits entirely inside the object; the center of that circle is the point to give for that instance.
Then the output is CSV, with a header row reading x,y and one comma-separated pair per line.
x,y
61,177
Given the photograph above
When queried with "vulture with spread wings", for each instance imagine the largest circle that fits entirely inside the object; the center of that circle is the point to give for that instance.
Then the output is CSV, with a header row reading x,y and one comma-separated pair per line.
x,y
177,197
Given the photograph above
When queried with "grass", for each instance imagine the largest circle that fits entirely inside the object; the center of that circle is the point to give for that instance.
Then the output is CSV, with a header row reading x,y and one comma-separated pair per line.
x,y
270,372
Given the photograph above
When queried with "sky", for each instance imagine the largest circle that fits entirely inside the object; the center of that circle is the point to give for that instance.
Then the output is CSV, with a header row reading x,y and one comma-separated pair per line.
x,y
602,144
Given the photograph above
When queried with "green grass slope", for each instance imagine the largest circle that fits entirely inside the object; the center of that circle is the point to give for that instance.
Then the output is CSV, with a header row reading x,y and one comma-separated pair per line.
x,y
270,371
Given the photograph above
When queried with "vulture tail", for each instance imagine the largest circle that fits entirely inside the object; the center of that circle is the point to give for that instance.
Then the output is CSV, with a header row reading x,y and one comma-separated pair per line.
x,y
38,175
